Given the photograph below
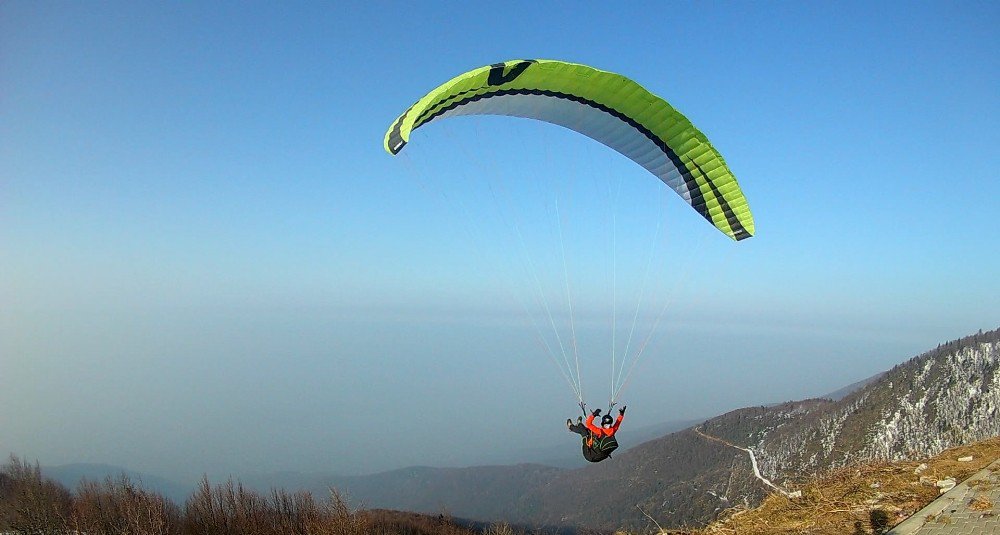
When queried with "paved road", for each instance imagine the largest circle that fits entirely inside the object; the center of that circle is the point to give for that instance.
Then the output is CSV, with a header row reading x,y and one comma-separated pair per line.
x,y
971,508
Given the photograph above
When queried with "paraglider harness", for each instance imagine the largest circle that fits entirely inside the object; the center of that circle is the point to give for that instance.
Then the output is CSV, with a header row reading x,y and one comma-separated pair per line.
x,y
595,448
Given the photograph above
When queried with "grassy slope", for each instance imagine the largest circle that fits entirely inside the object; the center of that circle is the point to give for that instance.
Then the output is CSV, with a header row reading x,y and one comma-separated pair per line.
x,y
841,501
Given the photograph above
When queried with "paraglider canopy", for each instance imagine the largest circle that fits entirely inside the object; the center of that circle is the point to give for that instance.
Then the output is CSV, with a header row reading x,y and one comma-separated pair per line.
x,y
605,106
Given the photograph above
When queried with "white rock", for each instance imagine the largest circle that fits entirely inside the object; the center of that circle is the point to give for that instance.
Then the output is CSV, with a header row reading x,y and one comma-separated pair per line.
x,y
965,459
946,484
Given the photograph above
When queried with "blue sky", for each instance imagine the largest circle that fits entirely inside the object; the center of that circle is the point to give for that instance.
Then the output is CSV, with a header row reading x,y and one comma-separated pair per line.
x,y
208,263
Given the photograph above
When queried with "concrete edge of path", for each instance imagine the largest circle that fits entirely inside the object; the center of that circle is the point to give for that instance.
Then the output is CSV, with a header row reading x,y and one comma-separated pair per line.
x,y
942,503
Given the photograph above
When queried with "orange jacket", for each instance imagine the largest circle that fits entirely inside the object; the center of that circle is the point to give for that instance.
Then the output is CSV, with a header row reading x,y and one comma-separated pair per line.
x,y
599,431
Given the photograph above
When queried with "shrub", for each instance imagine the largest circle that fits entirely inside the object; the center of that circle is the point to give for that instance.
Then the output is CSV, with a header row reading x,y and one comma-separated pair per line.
x,y
32,504
119,507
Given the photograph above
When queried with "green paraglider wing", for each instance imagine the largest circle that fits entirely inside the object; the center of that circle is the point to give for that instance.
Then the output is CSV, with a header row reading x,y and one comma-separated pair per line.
x,y
605,106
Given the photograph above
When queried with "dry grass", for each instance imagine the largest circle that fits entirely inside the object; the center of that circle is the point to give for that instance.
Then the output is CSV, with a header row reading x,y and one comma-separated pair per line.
x,y
857,500
981,503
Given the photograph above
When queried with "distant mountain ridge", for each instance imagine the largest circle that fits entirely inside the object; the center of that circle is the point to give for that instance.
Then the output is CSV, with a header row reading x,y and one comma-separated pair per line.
x,y
842,393
70,475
